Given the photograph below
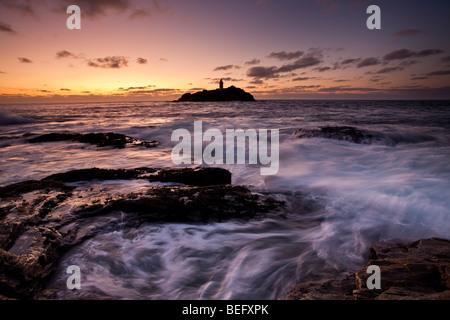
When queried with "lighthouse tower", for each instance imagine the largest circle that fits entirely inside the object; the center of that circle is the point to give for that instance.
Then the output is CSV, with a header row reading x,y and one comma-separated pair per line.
x,y
221,85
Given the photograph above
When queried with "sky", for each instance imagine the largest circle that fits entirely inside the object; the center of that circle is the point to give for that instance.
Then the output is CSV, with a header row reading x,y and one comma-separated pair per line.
x,y
156,50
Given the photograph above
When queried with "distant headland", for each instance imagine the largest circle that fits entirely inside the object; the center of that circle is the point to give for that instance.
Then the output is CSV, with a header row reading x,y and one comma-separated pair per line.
x,y
229,94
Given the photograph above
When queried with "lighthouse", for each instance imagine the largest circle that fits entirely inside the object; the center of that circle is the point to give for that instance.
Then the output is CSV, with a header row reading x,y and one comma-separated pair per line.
x,y
220,85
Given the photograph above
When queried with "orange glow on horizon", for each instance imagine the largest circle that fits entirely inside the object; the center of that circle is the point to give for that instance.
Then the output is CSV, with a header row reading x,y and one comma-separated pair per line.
x,y
184,48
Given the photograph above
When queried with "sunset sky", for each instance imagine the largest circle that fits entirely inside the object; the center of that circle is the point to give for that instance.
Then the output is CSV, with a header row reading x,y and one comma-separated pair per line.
x,y
133,50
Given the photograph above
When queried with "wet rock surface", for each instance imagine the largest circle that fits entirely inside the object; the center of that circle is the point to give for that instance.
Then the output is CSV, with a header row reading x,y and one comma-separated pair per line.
x,y
197,177
417,270
116,140
40,220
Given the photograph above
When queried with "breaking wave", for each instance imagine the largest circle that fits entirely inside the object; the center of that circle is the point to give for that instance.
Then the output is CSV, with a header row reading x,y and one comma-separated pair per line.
x,y
8,118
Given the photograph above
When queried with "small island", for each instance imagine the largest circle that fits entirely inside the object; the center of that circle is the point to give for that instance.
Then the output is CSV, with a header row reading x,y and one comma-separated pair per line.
x,y
231,93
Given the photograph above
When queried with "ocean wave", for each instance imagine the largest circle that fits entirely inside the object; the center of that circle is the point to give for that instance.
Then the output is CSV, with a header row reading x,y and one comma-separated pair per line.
x,y
345,133
7,118
362,136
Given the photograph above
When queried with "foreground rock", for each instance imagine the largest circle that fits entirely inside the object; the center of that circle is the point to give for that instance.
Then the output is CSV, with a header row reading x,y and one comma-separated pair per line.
x,y
416,270
229,94
112,139
41,219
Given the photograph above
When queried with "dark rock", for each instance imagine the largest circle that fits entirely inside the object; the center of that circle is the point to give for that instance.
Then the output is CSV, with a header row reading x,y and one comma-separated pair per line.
x,y
99,174
197,177
229,94
417,270
36,229
339,288
26,268
29,134
53,137
112,139
188,204
17,189
345,133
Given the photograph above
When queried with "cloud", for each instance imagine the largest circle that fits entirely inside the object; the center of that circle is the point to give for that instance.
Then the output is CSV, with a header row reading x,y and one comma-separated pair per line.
x,y
401,66
2,72
154,92
114,62
388,70
428,52
136,88
407,32
283,55
376,79
399,54
22,6
307,87
407,63
96,8
322,69
141,13
154,7
109,62
141,61
301,79
65,89
346,63
5,27
368,62
446,59
64,54
262,72
349,61
273,72
163,59
289,90
227,79
257,82
406,53
420,78
252,62
347,89
227,67
439,73
24,60
304,62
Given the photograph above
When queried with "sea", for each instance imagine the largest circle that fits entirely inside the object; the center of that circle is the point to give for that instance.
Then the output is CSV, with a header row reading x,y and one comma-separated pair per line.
x,y
339,196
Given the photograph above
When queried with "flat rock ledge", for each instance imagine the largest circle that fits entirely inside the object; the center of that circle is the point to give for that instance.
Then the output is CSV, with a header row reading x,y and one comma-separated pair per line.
x,y
417,270
108,139
40,220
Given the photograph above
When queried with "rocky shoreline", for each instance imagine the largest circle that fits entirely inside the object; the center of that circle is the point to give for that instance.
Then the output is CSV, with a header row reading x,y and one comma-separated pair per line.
x,y
40,220
418,270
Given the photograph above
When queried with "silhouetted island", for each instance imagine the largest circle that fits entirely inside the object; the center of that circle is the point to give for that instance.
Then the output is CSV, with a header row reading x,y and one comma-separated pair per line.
x,y
229,94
